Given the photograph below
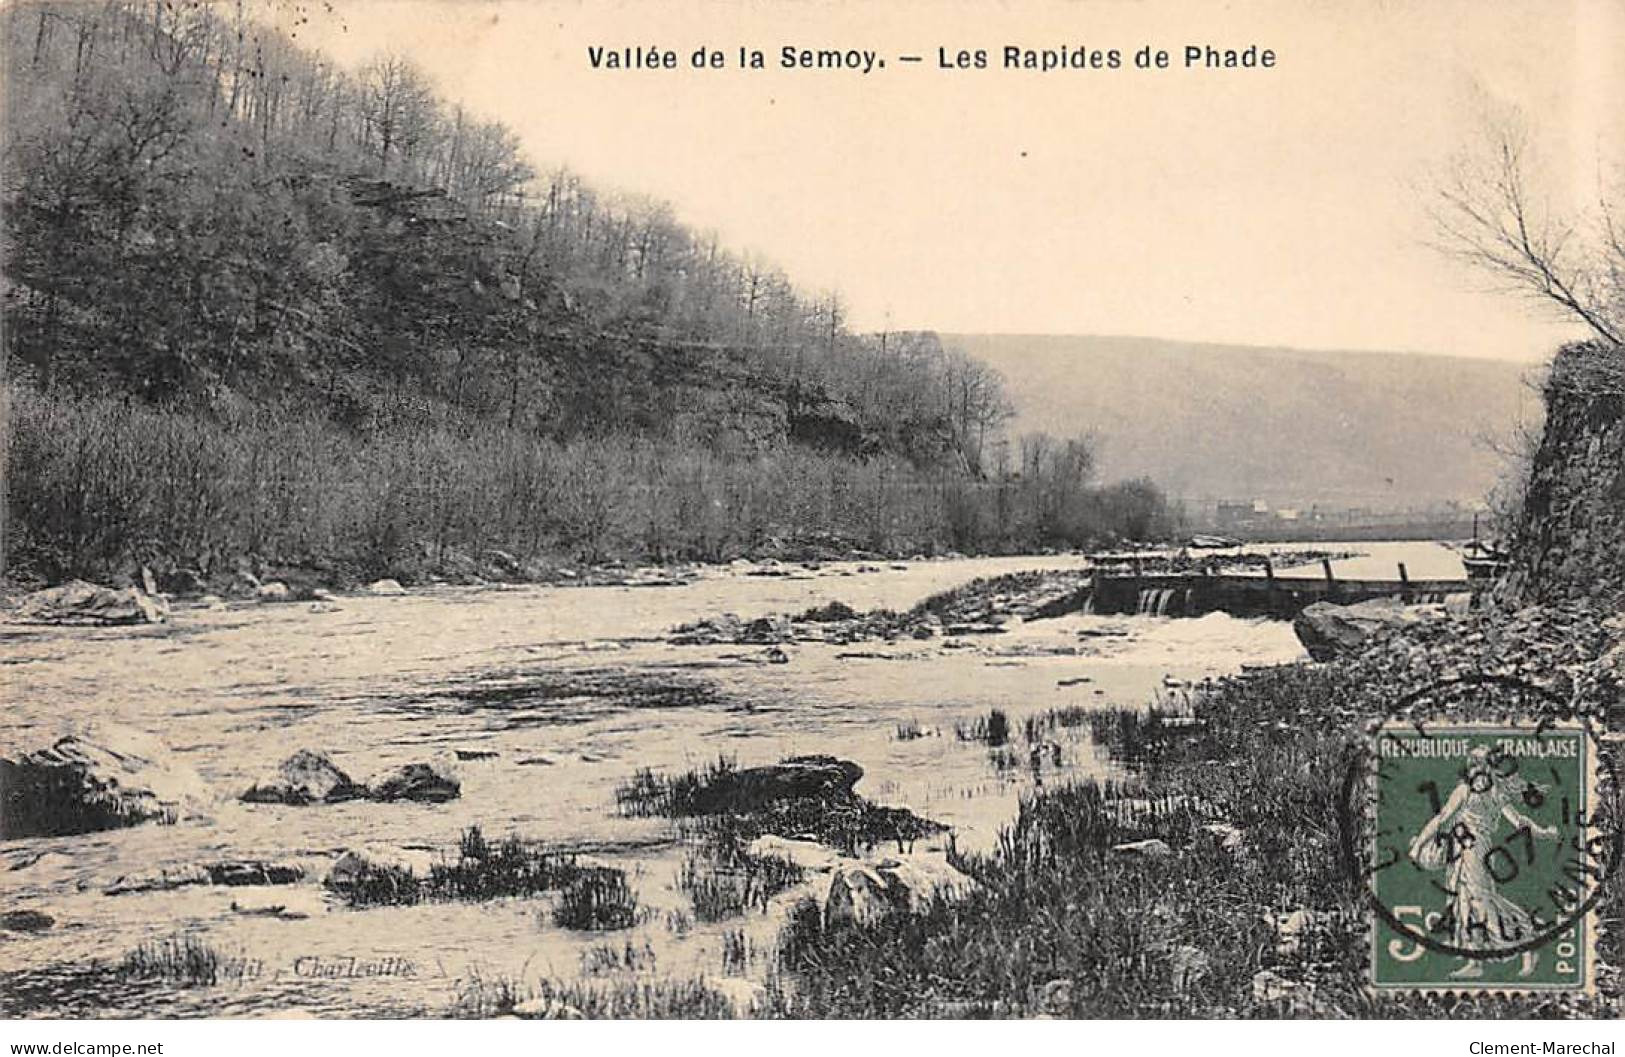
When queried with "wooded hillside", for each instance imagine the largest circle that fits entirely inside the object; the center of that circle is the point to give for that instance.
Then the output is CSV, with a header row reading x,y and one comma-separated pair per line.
x,y
200,207
265,312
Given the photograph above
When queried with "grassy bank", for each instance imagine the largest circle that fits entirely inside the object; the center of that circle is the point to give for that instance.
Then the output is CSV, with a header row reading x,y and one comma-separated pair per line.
x,y
1067,926
99,486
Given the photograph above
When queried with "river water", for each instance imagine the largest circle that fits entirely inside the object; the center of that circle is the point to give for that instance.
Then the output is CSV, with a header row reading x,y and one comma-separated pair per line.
x,y
562,693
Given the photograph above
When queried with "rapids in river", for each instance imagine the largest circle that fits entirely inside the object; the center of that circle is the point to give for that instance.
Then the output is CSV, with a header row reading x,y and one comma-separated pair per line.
x,y
542,699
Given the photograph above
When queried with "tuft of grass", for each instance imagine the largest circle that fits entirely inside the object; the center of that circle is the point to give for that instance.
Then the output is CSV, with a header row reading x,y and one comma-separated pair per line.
x,y
650,794
1038,727
181,959
992,729
727,885
736,953
909,730
830,613
481,997
481,871
610,958
597,899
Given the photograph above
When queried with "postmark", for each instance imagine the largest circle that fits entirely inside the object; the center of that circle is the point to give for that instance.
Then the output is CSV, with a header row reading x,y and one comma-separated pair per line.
x,y
1485,841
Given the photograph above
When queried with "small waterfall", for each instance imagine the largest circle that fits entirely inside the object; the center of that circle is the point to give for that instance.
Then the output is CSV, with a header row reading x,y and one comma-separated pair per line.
x,y
1153,601
1089,605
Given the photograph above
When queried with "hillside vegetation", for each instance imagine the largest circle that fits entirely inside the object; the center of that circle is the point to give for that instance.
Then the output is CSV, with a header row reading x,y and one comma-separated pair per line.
x,y
263,309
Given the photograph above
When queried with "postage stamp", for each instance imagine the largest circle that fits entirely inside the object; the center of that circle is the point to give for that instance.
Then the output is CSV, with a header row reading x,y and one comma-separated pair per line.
x,y
1485,855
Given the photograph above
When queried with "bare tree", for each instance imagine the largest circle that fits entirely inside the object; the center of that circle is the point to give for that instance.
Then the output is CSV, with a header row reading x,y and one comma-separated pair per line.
x,y
1487,214
398,109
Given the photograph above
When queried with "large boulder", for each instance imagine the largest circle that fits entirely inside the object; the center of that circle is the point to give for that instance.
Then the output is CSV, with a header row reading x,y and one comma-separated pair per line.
x,y
78,602
1329,631
100,779
367,864
306,777
863,893
796,778
414,781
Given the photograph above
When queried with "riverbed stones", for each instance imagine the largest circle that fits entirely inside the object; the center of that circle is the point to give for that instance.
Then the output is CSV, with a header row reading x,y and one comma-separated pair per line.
x,y
306,777
78,602
102,778
385,586
423,782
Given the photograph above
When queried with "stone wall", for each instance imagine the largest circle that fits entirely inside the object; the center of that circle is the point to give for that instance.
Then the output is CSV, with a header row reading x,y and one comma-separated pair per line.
x,y
1571,541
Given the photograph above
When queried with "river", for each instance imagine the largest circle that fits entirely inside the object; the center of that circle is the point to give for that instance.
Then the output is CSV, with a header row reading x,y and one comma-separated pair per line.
x,y
561,693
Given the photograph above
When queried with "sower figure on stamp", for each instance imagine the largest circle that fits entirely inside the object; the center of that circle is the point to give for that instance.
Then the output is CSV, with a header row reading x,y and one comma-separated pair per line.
x,y
1460,840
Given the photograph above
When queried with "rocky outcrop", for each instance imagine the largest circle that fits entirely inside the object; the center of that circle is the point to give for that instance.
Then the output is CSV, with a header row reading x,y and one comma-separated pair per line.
x,y
424,782
79,603
1329,631
1570,539
306,777
101,779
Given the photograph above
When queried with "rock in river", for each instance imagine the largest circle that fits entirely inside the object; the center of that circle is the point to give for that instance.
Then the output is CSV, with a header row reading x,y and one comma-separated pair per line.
x,y
235,873
100,779
306,777
358,866
25,921
796,778
78,602
414,781
1329,631
862,893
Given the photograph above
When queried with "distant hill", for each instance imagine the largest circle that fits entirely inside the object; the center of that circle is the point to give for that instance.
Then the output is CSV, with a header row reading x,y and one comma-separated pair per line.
x,y
1291,426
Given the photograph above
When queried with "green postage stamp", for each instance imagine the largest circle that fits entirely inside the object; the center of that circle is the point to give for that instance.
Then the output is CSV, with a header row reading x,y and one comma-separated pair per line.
x,y
1485,856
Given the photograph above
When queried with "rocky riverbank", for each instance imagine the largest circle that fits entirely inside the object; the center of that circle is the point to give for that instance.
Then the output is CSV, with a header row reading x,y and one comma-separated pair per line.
x,y
1212,884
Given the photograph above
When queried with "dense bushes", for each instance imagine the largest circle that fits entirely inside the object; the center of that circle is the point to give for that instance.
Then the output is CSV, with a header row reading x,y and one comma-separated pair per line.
x,y
99,486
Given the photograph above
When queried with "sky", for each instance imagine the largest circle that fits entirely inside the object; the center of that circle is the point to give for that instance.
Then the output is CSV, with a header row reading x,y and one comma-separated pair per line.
x,y
1281,206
